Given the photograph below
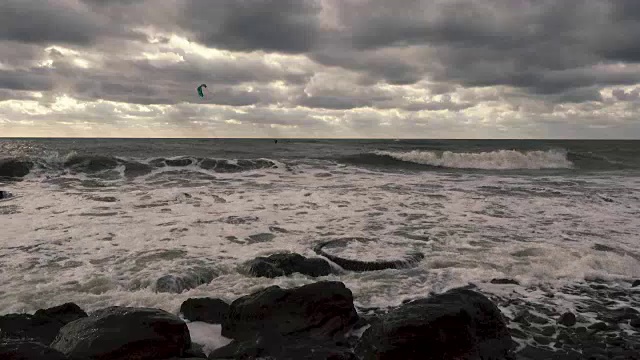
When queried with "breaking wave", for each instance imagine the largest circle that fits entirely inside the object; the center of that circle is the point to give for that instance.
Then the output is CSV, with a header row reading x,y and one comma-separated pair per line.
x,y
73,163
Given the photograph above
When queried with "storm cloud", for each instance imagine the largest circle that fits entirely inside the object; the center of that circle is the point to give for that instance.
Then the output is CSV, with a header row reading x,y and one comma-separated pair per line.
x,y
331,68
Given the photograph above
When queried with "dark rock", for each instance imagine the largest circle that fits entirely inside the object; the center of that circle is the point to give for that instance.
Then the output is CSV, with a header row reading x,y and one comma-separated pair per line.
x,y
123,333
635,283
42,326
459,324
505,281
286,264
357,265
283,348
567,319
13,168
13,349
635,323
178,284
321,309
208,310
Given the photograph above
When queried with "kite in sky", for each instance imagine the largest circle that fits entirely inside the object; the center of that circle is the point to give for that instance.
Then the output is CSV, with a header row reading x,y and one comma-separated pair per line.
x,y
200,90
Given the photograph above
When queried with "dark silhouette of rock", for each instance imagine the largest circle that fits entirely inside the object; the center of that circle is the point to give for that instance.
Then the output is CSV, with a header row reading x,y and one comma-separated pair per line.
x,y
124,333
458,324
13,168
567,319
286,264
505,281
635,283
208,310
13,349
281,347
177,284
322,309
357,265
42,326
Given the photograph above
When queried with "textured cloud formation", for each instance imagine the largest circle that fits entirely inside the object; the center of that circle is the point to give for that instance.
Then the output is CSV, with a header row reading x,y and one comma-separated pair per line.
x,y
328,68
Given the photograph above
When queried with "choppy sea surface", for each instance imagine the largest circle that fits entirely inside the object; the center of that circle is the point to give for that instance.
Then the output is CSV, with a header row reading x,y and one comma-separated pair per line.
x,y
98,221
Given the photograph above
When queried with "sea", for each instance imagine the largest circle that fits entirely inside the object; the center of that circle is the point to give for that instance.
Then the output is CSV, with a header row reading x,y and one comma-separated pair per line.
x,y
98,221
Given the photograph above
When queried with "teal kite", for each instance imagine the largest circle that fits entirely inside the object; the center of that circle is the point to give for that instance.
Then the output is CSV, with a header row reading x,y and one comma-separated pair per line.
x,y
200,89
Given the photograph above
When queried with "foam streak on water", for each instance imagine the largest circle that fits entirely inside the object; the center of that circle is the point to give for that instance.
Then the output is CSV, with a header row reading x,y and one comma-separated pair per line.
x,y
106,243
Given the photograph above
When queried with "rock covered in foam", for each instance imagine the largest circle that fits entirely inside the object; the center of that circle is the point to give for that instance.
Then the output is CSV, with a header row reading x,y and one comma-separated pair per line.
x,y
284,264
14,168
14,349
42,326
458,324
123,333
212,311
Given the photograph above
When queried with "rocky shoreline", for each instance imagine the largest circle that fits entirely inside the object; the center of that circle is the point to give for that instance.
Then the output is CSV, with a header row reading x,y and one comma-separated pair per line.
x,y
320,321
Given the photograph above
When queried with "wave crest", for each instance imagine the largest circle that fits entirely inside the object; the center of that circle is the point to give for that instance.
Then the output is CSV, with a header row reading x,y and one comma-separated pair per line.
x,y
499,159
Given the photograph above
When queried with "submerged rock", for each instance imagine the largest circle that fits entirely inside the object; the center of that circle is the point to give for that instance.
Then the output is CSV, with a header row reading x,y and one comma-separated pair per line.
x,y
42,326
458,324
208,310
124,333
177,284
286,264
358,265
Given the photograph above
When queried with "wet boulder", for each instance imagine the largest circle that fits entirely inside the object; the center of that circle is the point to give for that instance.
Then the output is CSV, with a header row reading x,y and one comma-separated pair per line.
x,y
459,324
284,264
122,333
212,311
42,326
319,310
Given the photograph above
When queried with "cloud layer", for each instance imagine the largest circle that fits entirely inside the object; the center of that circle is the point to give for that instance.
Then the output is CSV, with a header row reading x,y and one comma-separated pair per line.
x,y
326,68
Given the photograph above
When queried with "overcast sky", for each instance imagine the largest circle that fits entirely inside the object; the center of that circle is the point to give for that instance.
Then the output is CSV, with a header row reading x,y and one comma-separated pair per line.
x,y
321,68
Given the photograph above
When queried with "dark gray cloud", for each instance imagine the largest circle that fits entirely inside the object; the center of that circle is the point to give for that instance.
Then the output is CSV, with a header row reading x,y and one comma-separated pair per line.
x,y
288,26
41,22
34,80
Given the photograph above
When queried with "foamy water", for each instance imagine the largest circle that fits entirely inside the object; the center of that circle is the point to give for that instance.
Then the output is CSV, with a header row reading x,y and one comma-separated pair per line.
x,y
98,246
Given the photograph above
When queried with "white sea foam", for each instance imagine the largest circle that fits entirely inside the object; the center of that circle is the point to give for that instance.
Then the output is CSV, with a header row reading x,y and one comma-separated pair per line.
x,y
61,243
500,159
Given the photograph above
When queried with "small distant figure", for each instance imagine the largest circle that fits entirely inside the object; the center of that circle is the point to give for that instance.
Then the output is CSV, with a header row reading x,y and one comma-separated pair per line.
x,y
275,141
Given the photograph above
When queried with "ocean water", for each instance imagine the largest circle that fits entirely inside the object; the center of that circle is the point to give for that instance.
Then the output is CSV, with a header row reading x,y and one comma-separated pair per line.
x,y
98,221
